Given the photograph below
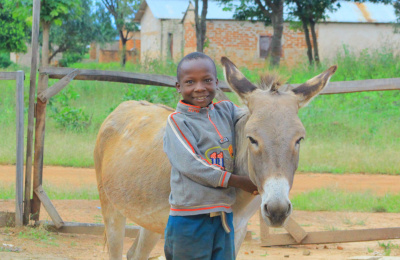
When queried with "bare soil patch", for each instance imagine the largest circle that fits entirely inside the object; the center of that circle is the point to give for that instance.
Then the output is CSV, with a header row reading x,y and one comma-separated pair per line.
x,y
70,246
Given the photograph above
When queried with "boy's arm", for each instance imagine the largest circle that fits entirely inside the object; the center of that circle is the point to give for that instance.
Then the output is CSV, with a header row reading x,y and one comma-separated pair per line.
x,y
181,149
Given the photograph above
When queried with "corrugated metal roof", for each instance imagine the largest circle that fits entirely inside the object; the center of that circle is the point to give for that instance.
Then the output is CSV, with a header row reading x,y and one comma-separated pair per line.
x,y
348,12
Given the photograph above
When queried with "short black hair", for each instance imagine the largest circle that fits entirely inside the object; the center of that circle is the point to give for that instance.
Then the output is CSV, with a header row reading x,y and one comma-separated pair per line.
x,y
194,56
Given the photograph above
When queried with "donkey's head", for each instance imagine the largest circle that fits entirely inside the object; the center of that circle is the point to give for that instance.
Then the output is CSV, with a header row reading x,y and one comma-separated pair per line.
x,y
273,131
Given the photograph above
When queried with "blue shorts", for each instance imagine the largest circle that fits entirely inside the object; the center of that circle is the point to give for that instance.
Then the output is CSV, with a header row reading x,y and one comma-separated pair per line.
x,y
199,237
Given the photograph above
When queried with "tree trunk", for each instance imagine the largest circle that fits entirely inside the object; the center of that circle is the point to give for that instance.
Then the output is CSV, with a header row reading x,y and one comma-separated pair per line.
x,y
201,26
45,45
315,41
308,42
123,52
276,43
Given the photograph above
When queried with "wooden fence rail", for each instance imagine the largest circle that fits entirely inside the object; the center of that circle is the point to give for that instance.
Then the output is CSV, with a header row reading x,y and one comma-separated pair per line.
x,y
169,81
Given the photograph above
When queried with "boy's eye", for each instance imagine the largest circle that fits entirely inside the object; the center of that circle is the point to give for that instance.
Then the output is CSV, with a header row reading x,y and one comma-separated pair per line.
x,y
208,80
189,82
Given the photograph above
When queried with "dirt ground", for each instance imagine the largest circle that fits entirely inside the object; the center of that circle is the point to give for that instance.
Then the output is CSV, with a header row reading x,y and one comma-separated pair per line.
x,y
41,245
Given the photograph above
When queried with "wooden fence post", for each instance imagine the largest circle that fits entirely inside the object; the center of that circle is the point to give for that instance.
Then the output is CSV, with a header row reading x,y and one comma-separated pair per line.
x,y
31,112
19,184
39,145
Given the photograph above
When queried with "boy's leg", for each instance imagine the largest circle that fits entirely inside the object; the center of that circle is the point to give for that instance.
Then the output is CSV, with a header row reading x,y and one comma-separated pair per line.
x,y
224,243
189,237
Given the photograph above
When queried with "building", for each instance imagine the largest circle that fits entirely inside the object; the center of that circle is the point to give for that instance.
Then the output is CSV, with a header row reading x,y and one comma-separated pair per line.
x,y
168,31
111,52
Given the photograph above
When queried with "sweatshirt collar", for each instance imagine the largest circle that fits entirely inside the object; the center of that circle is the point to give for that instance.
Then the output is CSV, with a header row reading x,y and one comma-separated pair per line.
x,y
191,109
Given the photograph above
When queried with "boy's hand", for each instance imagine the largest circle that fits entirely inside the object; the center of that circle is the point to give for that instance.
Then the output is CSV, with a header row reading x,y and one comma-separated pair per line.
x,y
244,183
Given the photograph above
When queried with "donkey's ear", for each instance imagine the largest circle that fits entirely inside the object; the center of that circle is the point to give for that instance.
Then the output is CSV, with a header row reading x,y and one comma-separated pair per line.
x,y
307,91
236,80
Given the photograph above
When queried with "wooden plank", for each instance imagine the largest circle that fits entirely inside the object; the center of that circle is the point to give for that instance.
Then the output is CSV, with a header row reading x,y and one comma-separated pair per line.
x,y
119,76
32,90
8,75
7,219
58,222
169,81
39,146
327,237
57,87
294,229
19,183
87,228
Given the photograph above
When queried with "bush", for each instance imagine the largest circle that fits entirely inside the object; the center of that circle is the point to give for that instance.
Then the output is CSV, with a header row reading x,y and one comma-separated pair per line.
x,y
69,58
5,60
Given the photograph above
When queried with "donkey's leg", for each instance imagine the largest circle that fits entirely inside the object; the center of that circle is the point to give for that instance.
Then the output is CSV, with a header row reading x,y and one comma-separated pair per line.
x,y
143,245
114,223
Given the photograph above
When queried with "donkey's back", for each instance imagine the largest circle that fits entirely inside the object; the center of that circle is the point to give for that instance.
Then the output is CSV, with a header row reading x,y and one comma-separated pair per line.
x,y
131,168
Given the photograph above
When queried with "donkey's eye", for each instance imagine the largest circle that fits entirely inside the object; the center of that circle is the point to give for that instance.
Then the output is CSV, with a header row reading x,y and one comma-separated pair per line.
x,y
299,140
252,140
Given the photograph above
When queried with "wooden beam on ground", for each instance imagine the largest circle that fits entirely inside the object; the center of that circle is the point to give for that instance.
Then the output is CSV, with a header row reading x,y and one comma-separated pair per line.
x,y
118,76
87,228
57,87
8,75
327,237
7,219
31,112
19,181
58,222
294,229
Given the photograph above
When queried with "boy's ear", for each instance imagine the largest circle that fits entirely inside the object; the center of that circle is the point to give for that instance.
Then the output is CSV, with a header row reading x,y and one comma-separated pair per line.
x,y
236,80
178,87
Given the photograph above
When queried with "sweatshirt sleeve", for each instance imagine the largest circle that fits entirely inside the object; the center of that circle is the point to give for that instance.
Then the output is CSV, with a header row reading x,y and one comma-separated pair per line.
x,y
183,154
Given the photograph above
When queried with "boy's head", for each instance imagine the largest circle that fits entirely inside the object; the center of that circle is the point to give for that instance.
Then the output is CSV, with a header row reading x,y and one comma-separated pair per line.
x,y
197,79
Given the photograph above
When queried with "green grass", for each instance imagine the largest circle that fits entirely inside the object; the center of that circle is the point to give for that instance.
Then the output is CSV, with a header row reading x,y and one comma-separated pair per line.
x,y
357,132
339,200
57,193
38,234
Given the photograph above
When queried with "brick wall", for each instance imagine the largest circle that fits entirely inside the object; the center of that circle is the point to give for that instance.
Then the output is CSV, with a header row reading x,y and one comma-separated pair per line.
x,y
239,41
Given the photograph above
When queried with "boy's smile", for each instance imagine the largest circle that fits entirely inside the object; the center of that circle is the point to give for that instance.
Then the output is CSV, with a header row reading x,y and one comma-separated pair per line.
x,y
198,82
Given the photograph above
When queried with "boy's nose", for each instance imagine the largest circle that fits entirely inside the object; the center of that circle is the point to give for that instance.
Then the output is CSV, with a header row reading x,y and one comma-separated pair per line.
x,y
200,87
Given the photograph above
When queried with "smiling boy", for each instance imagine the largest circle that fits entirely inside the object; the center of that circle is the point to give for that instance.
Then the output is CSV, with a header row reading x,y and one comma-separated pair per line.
x,y
200,144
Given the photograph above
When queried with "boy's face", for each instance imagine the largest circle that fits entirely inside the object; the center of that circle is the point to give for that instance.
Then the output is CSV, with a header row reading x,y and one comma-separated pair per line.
x,y
198,82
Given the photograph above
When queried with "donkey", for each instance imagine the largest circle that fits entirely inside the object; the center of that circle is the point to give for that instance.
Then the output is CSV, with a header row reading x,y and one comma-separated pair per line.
x,y
133,173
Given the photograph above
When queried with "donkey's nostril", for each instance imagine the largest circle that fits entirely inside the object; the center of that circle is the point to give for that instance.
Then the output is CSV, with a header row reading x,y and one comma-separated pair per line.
x,y
266,209
289,210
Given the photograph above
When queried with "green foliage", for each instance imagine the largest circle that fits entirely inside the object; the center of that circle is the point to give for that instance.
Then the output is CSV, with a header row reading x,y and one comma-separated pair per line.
x,y
13,29
5,60
387,248
75,34
66,116
339,200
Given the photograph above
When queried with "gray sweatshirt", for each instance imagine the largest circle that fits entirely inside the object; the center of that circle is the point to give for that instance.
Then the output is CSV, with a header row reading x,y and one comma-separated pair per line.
x,y
199,143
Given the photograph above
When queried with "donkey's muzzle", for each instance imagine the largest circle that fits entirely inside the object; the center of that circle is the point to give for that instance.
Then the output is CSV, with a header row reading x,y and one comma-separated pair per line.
x,y
276,213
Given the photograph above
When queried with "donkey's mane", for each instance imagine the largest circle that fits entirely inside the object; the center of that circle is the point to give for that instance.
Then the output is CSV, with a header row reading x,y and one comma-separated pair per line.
x,y
271,81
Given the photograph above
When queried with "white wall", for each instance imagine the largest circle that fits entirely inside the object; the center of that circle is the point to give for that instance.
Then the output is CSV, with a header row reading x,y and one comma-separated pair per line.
x,y
357,36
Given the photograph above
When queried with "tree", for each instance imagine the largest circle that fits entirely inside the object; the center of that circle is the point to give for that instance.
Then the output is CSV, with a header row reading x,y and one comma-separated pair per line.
x,y
74,35
396,6
310,12
123,12
51,12
201,26
13,29
268,11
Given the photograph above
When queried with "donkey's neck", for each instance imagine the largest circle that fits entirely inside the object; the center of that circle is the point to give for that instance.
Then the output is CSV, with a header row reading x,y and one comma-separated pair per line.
x,y
241,160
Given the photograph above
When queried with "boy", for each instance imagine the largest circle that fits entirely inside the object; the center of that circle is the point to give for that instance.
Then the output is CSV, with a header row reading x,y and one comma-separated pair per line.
x,y
199,142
